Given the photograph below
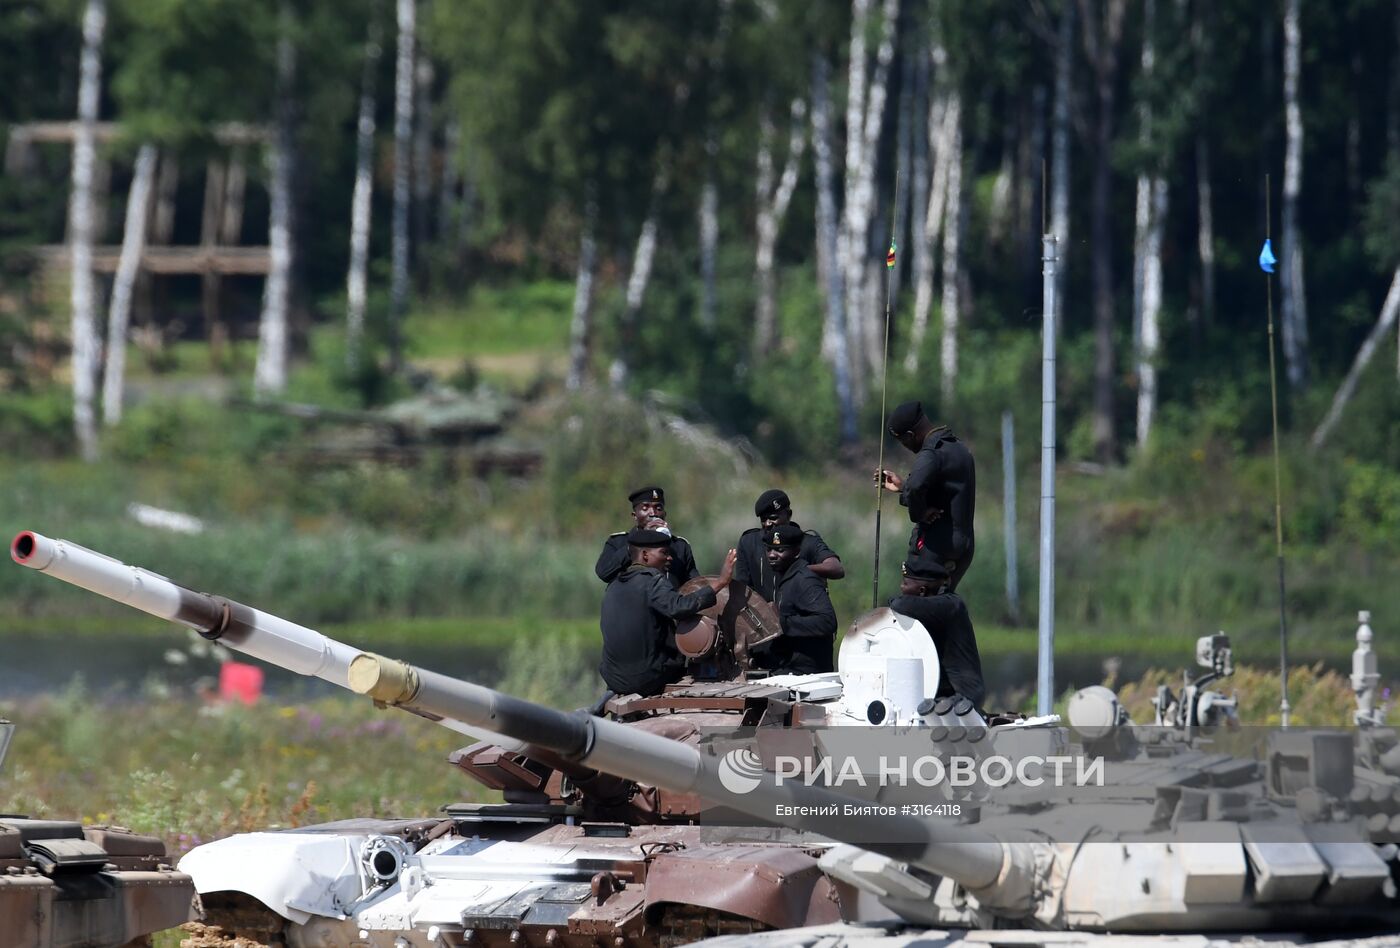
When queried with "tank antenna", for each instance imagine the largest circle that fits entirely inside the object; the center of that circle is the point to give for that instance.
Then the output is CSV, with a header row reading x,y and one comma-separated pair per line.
x,y
884,376
1266,263
1045,659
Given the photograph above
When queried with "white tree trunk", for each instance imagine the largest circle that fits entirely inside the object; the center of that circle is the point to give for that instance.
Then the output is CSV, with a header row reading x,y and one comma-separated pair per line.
x,y
270,370
1294,311
920,170
772,203
944,120
80,232
952,260
356,279
1205,230
403,130
138,202
865,110
709,242
422,157
1142,219
1060,156
581,324
643,258
903,162
1151,311
1387,319
828,260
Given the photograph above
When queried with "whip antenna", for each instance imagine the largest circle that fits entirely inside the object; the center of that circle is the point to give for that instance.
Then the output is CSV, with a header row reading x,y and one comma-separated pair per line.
x,y
1266,263
884,375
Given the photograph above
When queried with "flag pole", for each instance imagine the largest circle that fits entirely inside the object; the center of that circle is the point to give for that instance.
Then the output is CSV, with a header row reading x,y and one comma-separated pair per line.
x,y
884,376
1266,263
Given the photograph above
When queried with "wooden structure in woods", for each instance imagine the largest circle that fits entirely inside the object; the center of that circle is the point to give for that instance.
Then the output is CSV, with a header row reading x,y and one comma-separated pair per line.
x,y
218,253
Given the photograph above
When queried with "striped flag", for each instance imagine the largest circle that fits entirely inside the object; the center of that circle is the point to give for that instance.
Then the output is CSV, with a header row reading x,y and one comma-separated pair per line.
x,y
889,257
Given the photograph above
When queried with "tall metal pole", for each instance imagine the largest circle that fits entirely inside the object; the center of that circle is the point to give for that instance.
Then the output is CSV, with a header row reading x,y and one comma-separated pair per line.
x,y
884,377
1008,487
1278,487
1045,678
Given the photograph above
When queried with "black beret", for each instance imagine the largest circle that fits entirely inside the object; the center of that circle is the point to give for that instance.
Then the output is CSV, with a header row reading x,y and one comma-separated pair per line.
x,y
639,536
787,534
771,501
647,493
905,417
925,569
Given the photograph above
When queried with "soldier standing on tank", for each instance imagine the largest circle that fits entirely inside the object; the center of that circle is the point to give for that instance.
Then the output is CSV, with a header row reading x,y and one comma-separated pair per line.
x,y
649,512
925,594
940,490
804,609
774,509
639,613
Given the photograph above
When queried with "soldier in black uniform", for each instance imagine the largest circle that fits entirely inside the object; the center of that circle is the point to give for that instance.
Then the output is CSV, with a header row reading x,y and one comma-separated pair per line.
x,y
804,609
940,491
649,511
925,594
639,613
773,509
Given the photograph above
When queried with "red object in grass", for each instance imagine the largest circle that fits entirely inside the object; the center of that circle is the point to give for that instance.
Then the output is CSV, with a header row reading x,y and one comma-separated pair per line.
x,y
240,682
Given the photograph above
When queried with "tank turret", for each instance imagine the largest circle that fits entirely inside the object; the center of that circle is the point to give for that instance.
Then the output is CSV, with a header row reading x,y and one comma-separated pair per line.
x,y
1175,835
65,884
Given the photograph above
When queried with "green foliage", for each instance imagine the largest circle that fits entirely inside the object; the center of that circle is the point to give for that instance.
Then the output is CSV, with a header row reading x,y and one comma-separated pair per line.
x,y
1382,221
1370,509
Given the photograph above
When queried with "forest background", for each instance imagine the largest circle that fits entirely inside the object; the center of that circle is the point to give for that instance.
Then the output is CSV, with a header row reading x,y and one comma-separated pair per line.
x,y
656,233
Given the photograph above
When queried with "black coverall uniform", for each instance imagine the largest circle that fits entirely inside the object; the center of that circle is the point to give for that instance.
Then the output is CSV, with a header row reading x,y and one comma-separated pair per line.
x,y
752,569
808,622
946,619
943,478
616,557
638,624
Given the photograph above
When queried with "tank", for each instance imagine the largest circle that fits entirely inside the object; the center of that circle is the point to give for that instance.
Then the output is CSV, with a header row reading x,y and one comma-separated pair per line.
x,y
1193,831
65,885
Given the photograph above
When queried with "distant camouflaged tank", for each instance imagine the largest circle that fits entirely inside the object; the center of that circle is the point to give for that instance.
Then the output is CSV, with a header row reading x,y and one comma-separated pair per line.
x,y
1184,839
65,885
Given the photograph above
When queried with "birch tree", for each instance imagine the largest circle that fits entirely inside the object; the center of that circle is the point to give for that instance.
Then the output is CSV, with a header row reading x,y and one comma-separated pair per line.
x,y
865,110
356,278
80,230
945,117
939,147
1389,310
406,11
1147,244
138,202
772,198
639,277
421,212
1205,218
270,370
1293,303
581,322
834,328
952,261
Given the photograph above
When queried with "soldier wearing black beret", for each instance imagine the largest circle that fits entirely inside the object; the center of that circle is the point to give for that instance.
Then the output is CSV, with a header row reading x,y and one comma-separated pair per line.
x,y
804,609
649,513
639,614
940,491
925,594
774,509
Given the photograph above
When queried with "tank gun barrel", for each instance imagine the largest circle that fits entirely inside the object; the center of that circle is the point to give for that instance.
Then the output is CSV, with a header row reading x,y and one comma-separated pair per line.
x,y
971,856
998,874
242,628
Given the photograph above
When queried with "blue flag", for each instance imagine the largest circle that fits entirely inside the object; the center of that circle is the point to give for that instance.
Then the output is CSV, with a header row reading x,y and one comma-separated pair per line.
x,y
1266,258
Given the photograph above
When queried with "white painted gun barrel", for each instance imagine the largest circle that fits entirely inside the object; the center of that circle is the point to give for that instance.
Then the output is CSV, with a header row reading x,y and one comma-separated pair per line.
x,y
1000,875
242,628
